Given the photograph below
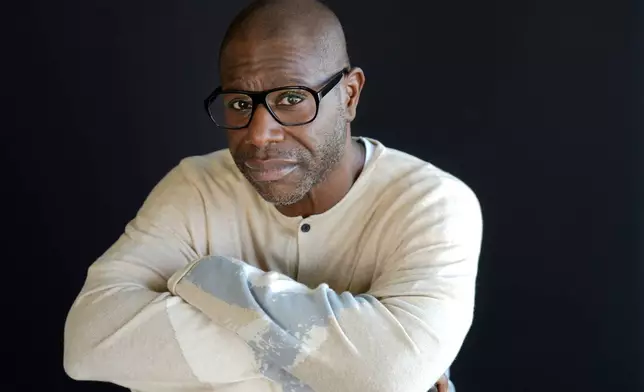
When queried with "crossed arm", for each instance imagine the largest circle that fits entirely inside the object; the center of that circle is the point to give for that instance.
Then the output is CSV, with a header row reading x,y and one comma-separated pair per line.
x,y
126,328
225,321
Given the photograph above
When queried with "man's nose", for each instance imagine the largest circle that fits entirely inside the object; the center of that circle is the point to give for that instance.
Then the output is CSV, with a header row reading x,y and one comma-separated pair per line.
x,y
263,129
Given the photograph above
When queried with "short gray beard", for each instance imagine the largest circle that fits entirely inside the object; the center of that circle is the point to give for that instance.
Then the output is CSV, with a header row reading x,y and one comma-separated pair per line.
x,y
330,155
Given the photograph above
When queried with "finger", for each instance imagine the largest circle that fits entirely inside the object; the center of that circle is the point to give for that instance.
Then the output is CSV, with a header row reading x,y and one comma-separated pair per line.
x,y
442,385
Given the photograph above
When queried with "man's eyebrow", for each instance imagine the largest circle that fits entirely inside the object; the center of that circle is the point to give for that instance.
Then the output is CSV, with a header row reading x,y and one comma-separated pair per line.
x,y
295,81
276,82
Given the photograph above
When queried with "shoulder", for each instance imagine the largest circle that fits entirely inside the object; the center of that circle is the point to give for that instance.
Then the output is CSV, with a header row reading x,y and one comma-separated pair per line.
x,y
211,176
410,180
411,188
215,166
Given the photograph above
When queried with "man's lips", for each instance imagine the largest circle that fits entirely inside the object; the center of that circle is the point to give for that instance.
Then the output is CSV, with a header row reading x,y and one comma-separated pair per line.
x,y
263,170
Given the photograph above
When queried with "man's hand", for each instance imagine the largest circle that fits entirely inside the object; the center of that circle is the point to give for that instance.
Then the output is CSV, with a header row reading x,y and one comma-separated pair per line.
x,y
442,385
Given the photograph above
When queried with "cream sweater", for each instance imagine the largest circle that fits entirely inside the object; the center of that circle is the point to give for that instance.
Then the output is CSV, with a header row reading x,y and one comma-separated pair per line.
x,y
210,288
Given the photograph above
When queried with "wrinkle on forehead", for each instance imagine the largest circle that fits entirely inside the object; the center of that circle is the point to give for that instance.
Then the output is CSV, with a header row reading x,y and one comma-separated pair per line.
x,y
257,66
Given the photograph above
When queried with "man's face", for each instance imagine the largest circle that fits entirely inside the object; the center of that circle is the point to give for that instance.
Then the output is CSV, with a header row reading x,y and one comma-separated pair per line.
x,y
282,162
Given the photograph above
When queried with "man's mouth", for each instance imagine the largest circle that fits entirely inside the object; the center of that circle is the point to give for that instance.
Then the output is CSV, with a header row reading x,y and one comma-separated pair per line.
x,y
264,170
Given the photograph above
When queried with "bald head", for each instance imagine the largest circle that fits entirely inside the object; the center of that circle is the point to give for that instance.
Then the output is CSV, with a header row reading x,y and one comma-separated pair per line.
x,y
309,23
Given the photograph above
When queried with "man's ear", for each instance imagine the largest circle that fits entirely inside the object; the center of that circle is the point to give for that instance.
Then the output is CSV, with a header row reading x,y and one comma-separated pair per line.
x,y
353,84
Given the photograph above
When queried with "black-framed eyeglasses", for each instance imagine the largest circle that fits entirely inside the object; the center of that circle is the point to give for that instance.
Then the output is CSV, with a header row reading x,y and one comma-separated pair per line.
x,y
289,105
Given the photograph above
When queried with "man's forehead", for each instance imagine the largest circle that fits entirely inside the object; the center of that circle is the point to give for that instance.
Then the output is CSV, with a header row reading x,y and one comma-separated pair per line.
x,y
260,67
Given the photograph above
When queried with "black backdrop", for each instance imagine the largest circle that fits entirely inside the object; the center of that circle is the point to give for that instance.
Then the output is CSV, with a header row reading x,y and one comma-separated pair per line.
x,y
536,105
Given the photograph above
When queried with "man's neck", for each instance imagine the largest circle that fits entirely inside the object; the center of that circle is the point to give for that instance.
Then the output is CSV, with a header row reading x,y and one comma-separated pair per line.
x,y
334,188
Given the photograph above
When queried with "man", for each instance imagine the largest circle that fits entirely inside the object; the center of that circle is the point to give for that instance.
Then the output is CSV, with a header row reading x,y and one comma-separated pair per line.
x,y
299,259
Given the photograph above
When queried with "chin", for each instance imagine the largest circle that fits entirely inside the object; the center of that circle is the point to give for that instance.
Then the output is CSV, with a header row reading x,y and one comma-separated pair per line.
x,y
278,194
283,203
281,200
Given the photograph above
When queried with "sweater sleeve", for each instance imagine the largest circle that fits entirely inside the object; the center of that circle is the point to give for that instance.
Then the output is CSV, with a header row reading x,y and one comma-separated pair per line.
x,y
401,335
126,328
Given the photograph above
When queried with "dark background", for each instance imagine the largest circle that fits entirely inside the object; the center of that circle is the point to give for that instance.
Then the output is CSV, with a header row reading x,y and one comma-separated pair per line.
x,y
537,105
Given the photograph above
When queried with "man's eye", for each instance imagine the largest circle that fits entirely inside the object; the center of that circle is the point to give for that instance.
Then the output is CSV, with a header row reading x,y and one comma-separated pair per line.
x,y
240,105
290,99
